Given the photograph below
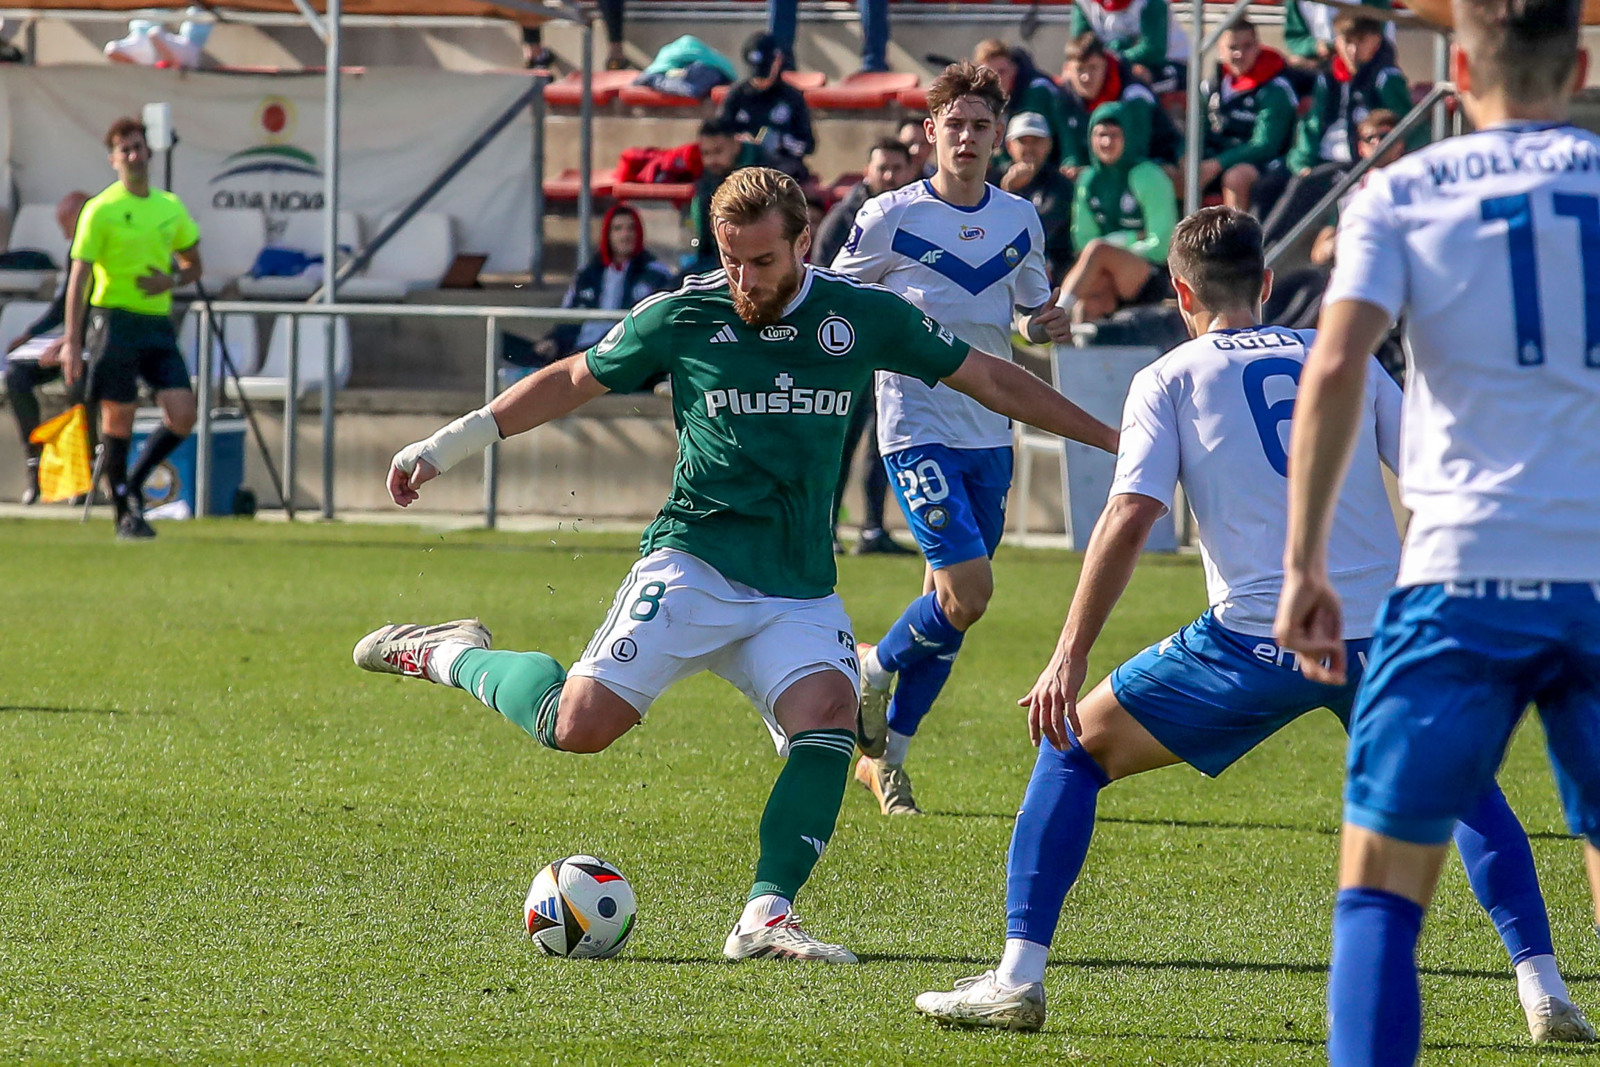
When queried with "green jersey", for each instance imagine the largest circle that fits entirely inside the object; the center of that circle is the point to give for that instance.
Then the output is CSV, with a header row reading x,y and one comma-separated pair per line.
x,y
126,237
761,413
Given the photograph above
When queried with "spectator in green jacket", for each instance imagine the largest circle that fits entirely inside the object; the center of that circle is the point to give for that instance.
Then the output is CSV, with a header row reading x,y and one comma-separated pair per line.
x,y
1027,90
1251,111
1362,78
1123,213
1308,38
1092,76
1142,32
721,153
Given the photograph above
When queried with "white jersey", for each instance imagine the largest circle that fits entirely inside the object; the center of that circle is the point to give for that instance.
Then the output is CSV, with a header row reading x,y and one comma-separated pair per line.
x,y
1213,414
1489,245
969,269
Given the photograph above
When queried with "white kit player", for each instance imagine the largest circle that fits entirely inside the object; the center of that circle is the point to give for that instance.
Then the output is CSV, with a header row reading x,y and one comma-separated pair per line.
x,y
971,256
1489,246
1213,415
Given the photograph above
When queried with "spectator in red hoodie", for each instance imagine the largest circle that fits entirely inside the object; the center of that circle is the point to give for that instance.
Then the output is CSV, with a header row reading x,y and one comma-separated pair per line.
x,y
620,275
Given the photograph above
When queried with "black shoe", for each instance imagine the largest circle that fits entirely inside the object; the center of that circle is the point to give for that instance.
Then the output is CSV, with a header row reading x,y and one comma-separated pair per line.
x,y
879,543
30,495
132,527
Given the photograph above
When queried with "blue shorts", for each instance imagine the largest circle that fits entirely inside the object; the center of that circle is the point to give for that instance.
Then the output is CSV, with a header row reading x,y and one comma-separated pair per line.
x,y
1210,694
1454,667
954,499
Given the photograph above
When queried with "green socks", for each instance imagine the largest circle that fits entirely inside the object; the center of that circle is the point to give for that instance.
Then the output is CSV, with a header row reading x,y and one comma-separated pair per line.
x,y
525,687
802,809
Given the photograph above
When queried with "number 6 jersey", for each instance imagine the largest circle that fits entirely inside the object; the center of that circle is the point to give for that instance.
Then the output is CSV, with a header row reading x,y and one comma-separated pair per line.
x,y
1214,414
1489,244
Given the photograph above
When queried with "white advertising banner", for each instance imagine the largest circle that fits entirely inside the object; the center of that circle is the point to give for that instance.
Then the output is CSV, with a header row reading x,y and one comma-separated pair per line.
x,y
255,141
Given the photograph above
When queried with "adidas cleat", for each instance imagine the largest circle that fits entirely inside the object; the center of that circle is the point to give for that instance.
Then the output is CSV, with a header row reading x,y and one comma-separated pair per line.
x,y
983,1001
889,784
406,648
872,714
1558,1020
782,939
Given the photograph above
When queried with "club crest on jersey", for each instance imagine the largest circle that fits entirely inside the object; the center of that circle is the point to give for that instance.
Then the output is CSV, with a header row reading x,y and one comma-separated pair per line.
x,y
779,333
612,338
937,518
972,233
1013,257
836,335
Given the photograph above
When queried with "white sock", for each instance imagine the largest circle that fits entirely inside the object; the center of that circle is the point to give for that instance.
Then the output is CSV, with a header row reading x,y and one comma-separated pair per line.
x,y
872,672
1023,963
1538,978
763,911
443,658
895,748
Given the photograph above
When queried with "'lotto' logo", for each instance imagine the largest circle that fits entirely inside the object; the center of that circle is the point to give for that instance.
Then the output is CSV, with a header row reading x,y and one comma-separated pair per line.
x,y
972,233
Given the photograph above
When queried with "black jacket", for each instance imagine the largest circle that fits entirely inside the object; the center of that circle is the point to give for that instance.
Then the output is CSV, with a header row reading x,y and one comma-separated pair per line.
x,y
777,119
1050,192
835,225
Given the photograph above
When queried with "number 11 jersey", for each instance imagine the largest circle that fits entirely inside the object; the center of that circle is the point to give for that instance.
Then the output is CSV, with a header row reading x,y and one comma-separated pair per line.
x,y
1489,244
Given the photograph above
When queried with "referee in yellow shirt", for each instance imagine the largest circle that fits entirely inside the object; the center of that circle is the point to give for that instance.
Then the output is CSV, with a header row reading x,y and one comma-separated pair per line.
x,y
128,239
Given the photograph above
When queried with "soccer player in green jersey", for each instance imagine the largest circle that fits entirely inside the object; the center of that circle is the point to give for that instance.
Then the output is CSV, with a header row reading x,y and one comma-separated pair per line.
x,y
767,359
128,239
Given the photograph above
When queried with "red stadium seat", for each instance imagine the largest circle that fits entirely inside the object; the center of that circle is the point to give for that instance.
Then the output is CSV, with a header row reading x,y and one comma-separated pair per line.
x,y
654,100
862,91
800,79
568,91
914,99
566,186
679,193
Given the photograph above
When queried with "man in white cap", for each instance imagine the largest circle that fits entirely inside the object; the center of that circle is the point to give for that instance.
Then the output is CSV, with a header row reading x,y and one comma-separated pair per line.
x,y
1032,177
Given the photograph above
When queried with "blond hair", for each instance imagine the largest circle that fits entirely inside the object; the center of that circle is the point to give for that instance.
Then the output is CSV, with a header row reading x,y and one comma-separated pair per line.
x,y
748,194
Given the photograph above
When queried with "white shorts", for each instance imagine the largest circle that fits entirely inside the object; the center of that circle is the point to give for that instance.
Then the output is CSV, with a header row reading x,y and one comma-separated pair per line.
x,y
676,615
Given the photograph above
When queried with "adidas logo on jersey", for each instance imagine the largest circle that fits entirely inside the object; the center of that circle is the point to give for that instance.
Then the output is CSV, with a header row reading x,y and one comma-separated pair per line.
x,y
724,336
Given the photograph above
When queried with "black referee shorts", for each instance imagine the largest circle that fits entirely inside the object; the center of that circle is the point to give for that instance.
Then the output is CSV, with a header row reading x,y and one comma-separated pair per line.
x,y
124,346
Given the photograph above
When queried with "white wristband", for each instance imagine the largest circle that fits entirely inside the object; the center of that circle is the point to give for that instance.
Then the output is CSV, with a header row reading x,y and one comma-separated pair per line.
x,y
462,439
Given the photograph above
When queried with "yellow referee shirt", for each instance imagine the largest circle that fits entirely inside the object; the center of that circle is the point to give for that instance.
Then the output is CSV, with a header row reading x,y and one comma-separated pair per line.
x,y
127,237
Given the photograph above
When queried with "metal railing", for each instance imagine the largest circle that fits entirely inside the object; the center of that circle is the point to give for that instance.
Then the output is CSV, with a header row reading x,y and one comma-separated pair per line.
x,y
330,313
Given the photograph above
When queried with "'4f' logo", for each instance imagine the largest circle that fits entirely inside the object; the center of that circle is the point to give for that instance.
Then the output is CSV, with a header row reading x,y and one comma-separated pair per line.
x,y
931,256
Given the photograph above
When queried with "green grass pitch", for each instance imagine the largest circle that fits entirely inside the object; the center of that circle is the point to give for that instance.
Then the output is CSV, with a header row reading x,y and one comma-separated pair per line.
x,y
223,844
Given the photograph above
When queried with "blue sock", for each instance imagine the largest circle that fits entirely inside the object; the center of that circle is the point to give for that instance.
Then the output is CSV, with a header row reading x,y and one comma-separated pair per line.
x,y
1374,999
920,632
1050,839
1500,867
918,687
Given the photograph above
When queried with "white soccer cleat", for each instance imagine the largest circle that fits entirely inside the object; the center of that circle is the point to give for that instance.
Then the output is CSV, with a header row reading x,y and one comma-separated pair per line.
x,y
983,1001
783,940
872,714
406,648
1558,1020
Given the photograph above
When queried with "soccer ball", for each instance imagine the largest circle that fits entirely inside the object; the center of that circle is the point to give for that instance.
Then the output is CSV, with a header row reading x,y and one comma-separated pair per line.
x,y
580,907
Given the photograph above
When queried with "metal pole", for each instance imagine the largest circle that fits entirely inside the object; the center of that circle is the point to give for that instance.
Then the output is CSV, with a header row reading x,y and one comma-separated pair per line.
x,y
330,245
291,418
1228,20
202,437
536,263
586,147
1441,73
331,335
1191,125
491,386
1315,216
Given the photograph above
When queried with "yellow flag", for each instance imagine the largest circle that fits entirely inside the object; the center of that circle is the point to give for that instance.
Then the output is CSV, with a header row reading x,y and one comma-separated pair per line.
x,y
64,466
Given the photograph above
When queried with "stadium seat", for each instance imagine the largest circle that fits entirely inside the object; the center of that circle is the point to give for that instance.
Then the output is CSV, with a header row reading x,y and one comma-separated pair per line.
x,y
913,99
564,187
679,193
238,331
272,382
230,241
862,91
642,96
34,228
17,316
302,232
800,79
568,91
414,258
